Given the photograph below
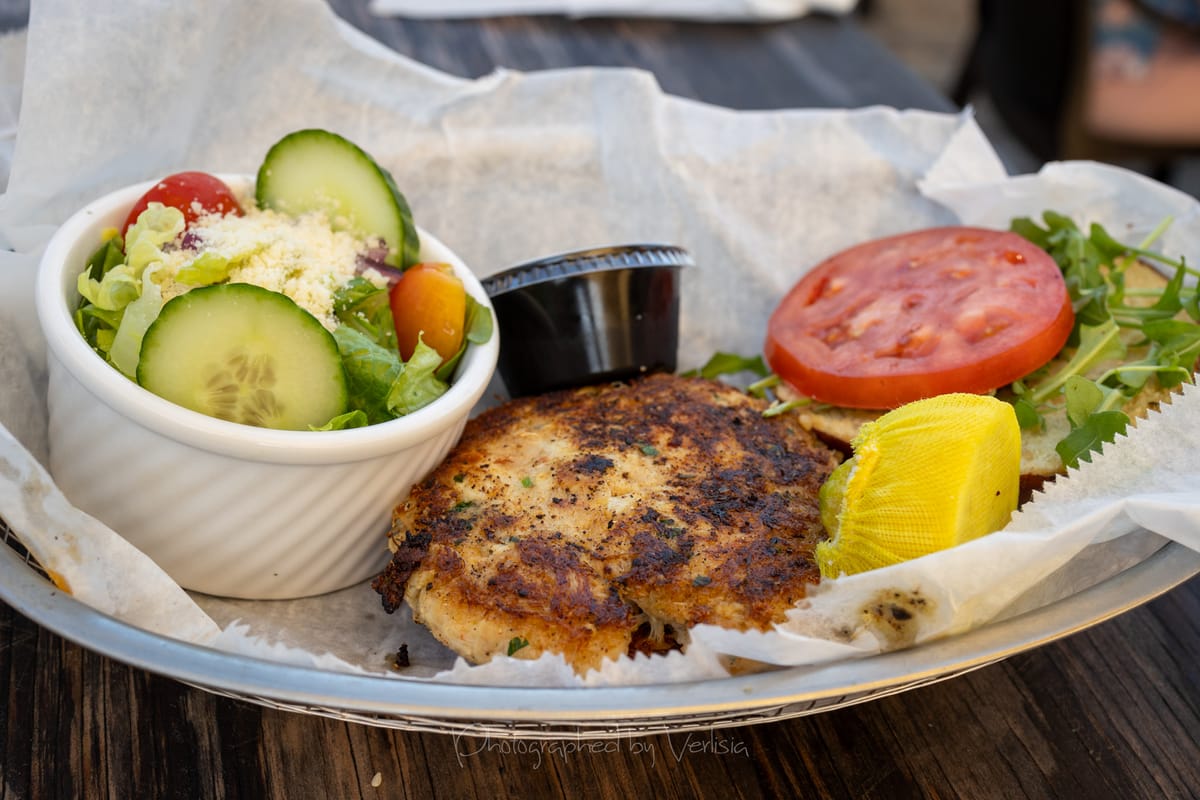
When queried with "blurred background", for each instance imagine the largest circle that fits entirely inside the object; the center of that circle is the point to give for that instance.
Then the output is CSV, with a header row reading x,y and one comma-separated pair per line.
x,y
1109,80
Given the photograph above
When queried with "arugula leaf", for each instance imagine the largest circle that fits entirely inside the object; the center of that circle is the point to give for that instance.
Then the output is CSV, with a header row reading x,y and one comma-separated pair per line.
x,y
730,364
1132,375
1083,397
1170,302
1108,314
1174,335
1099,428
1028,416
1177,349
1109,248
1096,344
1191,304
1024,226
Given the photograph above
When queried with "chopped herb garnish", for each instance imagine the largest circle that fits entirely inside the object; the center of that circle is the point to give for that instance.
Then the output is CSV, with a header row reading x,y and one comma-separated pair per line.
x,y
459,478
648,449
701,580
516,643
462,505
527,482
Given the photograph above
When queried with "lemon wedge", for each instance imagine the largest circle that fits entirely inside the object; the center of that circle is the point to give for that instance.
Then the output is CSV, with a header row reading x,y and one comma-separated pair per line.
x,y
926,476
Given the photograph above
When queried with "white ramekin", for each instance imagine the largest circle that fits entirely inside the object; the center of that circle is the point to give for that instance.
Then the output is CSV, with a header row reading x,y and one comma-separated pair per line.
x,y
224,508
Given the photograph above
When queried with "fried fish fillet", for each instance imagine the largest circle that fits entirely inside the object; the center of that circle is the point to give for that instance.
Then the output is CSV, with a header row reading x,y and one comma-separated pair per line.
x,y
607,520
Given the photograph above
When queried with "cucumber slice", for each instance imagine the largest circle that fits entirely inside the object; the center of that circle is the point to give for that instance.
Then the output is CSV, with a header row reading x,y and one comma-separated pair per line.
x,y
316,170
243,353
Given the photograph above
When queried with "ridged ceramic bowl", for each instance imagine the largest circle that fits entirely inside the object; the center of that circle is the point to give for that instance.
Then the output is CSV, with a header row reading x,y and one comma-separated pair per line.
x,y
229,509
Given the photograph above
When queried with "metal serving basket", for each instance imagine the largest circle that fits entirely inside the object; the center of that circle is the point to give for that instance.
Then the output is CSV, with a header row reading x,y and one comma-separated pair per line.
x,y
557,713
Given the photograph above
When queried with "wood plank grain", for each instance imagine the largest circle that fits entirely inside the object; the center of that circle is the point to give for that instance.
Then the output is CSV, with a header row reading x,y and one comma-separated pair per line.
x,y
828,62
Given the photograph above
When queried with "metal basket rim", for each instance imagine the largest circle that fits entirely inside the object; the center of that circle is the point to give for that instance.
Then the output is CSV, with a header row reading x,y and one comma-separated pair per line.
x,y
399,702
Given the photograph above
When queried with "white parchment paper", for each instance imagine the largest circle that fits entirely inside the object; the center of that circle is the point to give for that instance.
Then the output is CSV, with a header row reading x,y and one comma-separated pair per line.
x,y
516,166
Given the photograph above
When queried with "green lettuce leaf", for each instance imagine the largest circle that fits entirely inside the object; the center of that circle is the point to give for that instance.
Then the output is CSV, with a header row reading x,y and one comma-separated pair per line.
x,y
206,269
126,348
107,256
478,325
118,288
155,227
351,419
90,318
417,385
370,372
110,287
364,307
380,384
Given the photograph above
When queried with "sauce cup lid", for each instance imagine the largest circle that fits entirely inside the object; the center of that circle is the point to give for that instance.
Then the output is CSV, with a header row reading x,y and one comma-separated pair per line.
x,y
578,262
589,316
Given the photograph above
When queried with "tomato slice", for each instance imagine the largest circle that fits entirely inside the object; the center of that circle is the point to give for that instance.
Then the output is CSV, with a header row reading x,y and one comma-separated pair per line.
x,y
430,302
193,193
898,319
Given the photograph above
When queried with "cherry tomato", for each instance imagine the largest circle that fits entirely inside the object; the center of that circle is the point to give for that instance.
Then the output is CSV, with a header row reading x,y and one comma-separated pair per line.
x,y
934,311
193,193
429,301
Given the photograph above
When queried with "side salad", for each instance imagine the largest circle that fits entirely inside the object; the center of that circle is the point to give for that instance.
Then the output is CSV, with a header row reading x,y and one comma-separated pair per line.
x,y
301,306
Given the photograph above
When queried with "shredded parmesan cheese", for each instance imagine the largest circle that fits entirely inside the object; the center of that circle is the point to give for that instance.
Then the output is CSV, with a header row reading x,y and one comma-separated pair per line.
x,y
301,257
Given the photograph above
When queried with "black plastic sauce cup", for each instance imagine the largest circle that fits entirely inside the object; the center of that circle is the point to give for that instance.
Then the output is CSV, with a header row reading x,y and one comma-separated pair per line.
x,y
588,317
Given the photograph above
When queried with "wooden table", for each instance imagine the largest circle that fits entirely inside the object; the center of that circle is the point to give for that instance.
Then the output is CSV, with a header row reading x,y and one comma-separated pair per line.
x,y
1110,712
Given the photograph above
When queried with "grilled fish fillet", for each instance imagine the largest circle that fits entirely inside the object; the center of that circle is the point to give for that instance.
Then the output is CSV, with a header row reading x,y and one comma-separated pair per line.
x,y
607,520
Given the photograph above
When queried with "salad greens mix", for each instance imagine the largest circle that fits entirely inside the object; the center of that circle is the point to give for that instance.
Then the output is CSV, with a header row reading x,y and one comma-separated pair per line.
x,y
381,385
282,370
